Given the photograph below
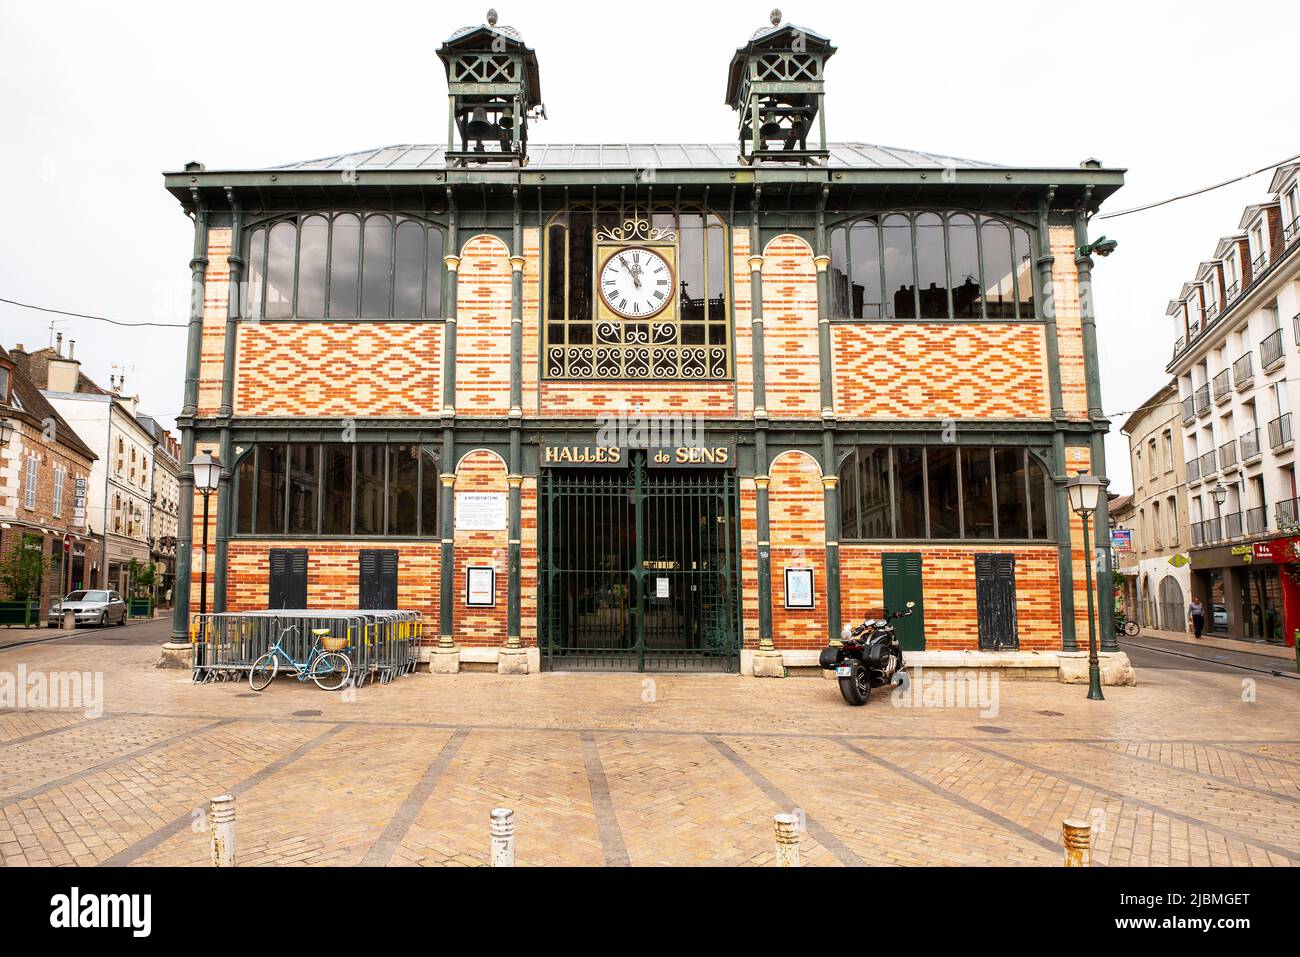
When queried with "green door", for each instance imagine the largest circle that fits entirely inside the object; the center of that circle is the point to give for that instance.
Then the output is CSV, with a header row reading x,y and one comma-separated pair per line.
x,y
901,572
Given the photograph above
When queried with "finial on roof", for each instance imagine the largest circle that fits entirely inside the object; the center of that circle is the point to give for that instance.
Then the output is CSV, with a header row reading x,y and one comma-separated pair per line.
x,y
492,16
775,17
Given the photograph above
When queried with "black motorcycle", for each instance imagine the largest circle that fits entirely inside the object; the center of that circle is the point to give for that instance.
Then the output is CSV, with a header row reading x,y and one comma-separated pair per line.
x,y
869,656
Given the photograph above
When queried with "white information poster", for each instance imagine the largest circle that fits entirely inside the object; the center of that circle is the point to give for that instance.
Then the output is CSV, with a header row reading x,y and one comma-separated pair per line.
x,y
798,588
480,586
661,587
481,511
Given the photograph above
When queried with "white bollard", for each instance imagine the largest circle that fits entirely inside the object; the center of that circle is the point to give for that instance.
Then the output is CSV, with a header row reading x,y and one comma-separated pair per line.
x,y
221,814
787,840
1076,835
503,837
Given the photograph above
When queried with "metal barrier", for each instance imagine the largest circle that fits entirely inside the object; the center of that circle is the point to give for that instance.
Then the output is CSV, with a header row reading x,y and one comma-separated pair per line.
x,y
382,645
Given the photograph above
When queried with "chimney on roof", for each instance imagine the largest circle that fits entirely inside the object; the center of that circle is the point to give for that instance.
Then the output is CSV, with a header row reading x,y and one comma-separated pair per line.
x,y
72,347
58,344
62,371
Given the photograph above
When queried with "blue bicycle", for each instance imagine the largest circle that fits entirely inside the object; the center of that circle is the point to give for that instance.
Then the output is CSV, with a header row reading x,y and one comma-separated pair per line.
x,y
330,669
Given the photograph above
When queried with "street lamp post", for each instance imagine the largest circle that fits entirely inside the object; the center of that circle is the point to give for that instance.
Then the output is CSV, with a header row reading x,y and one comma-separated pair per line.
x,y
207,473
1084,491
6,431
1220,494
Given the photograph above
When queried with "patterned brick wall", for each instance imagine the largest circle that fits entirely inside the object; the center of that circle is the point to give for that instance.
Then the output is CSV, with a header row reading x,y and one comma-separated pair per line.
x,y
528,561
216,299
337,369
749,562
948,587
796,520
711,400
483,328
481,471
1069,330
333,575
532,304
790,348
1080,459
940,370
742,322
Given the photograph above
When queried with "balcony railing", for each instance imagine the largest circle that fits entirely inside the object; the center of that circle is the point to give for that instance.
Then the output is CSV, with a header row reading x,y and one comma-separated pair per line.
x,y
1279,432
1202,397
1232,525
1198,533
1178,346
1287,512
1208,464
1249,445
1291,232
1259,264
1270,350
1228,455
1243,372
1189,410
1193,470
1256,520
1231,292
1222,386
1295,327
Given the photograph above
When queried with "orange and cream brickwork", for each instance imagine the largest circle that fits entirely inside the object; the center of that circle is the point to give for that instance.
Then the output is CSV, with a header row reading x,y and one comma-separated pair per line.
x,y
967,372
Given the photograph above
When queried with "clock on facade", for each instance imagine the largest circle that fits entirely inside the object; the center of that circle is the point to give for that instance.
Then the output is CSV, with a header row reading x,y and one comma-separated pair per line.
x,y
636,282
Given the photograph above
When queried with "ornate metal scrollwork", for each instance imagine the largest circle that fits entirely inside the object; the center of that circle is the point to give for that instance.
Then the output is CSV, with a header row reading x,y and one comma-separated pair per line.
x,y
636,230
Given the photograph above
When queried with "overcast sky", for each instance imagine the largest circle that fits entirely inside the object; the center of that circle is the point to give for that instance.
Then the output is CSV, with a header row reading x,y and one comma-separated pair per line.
x,y
98,99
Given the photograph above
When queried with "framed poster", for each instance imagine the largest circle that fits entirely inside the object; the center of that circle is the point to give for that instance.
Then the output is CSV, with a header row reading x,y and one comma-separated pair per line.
x,y
798,588
481,511
480,586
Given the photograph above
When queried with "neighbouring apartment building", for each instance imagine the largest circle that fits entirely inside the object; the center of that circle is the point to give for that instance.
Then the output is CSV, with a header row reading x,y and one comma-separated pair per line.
x,y
164,501
118,497
1237,362
646,406
1162,576
45,469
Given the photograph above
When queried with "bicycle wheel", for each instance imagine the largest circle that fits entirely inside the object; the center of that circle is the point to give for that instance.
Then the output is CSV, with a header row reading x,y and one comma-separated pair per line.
x,y
331,671
263,672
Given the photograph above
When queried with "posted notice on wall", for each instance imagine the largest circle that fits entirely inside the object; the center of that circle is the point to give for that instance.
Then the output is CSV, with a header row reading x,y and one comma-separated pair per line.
x,y
481,511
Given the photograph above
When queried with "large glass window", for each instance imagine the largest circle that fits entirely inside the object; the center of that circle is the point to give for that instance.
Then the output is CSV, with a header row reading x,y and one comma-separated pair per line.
x,y
324,266
337,490
689,339
971,493
946,265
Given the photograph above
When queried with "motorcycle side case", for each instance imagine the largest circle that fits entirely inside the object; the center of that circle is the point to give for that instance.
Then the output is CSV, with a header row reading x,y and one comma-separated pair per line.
x,y
875,652
829,657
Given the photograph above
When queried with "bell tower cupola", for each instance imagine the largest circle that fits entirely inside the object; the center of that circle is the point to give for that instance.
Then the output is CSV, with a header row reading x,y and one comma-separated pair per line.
x,y
775,86
494,90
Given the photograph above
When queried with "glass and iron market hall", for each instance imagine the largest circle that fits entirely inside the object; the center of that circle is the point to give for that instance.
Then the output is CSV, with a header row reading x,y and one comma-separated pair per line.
x,y
651,406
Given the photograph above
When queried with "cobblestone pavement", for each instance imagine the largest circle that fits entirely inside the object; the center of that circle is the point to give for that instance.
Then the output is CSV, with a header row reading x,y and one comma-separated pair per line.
x,y
1189,767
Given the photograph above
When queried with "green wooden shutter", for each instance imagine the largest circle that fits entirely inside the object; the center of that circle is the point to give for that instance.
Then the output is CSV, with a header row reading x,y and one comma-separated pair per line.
x,y
901,575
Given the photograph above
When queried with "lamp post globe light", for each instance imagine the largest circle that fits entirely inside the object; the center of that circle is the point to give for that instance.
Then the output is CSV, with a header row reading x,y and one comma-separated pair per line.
x,y
1220,495
207,473
1084,492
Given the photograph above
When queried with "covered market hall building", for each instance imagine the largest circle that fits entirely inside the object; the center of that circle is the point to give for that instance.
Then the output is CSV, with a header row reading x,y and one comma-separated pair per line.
x,y
660,406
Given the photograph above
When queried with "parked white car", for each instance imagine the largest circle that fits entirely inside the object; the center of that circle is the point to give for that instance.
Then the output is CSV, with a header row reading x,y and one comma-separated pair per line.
x,y
94,606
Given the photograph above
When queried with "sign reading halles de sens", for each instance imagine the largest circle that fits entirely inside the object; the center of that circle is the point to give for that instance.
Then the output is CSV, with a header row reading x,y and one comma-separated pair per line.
x,y
709,455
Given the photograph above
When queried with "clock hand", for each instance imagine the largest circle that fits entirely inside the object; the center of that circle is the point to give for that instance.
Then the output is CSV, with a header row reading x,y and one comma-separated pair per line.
x,y
633,271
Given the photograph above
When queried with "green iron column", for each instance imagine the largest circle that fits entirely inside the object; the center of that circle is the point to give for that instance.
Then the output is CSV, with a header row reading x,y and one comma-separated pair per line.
x,y
1100,426
830,478
515,478
225,510
761,477
193,353
446,607
1047,304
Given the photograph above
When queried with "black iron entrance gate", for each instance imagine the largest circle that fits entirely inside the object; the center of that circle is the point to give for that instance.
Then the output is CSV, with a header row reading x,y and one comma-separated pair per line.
x,y
638,570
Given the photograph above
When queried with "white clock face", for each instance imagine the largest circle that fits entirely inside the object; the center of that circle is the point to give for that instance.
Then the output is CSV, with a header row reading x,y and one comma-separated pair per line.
x,y
636,282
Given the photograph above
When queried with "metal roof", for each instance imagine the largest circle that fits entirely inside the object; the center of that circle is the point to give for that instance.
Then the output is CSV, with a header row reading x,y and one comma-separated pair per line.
x,y
636,156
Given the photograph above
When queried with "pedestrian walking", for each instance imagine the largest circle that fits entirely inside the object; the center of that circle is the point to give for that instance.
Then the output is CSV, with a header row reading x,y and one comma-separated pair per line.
x,y
1197,613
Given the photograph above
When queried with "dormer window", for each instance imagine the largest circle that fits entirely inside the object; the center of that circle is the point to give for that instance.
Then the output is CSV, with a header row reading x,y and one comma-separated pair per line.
x,y
1257,248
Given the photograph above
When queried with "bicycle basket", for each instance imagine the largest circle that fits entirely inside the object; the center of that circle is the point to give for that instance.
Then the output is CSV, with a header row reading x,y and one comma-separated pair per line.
x,y
333,643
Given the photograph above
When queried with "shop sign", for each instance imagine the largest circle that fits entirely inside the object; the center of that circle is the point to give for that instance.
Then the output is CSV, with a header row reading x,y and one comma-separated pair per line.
x,y
1121,539
583,456
721,455
1277,550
